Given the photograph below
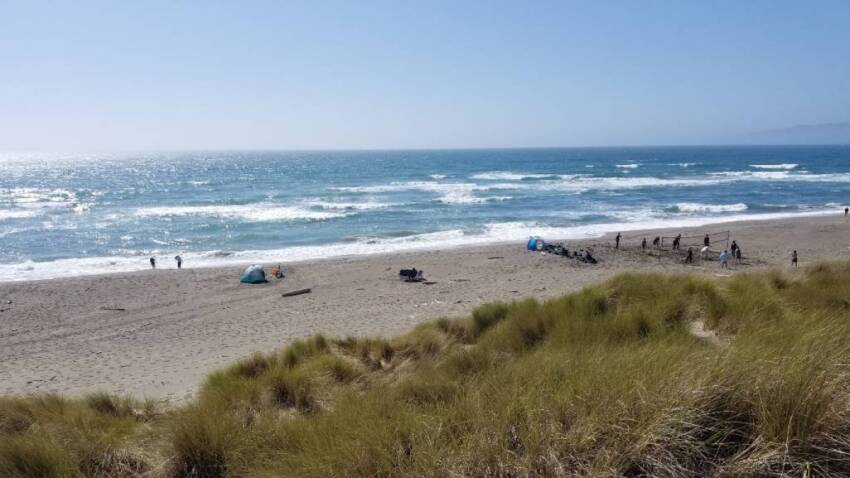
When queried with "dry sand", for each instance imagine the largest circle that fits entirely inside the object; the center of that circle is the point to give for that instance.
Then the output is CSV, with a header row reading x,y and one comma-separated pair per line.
x,y
176,326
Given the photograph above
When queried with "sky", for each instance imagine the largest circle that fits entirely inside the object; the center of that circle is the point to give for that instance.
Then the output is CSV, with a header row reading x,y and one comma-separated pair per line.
x,y
183,75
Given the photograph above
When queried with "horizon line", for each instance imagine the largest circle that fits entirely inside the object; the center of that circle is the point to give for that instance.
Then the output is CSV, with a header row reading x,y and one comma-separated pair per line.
x,y
464,148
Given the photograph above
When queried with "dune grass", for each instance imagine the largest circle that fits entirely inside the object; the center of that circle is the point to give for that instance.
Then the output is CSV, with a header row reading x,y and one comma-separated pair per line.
x,y
608,381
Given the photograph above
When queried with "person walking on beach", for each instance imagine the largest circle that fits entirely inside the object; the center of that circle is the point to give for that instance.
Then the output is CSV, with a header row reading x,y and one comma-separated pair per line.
x,y
617,241
179,261
733,247
738,259
656,242
794,258
706,241
724,260
676,241
643,244
846,210
153,263
689,259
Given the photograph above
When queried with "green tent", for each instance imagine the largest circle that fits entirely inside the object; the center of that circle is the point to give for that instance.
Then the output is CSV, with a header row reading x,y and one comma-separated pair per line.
x,y
253,275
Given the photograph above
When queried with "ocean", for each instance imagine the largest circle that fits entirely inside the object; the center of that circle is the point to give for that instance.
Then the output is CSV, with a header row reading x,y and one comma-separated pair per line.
x,y
73,214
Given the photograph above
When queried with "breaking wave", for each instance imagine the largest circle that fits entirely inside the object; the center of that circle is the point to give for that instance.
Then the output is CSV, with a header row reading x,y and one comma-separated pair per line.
x,y
248,212
16,214
450,193
693,207
775,166
348,206
510,176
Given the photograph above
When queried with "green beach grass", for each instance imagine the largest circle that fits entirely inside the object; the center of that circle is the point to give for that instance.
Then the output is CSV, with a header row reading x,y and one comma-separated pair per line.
x,y
608,381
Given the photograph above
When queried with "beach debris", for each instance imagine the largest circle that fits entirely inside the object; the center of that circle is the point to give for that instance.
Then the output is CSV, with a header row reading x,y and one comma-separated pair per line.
x,y
8,302
116,309
429,282
296,292
496,257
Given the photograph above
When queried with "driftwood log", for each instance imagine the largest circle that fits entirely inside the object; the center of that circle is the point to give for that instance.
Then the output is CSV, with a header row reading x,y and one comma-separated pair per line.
x,y
296,292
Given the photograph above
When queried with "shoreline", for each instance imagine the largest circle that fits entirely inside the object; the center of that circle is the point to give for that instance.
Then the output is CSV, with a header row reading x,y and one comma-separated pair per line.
x,y
159,333
581,233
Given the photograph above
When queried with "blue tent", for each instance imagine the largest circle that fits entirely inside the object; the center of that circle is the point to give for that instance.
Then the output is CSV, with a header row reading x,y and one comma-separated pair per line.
x,y
532,243
253,275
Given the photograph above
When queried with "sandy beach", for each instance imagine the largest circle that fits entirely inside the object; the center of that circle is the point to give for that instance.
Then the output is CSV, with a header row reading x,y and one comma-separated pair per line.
x,y
159,333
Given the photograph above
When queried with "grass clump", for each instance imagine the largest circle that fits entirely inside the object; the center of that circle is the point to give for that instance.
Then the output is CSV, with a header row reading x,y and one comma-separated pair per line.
x,y
292,390
34,457
611,380
253,366
300,350
47,435
119,407
204,446
488,315
340,369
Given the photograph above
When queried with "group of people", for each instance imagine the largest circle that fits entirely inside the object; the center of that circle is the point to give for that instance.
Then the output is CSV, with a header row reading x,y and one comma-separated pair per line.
x,y
733,254
581,255
726,256
176,258
656,243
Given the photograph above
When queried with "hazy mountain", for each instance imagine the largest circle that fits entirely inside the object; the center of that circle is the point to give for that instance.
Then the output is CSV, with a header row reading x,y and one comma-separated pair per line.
x,y
824,133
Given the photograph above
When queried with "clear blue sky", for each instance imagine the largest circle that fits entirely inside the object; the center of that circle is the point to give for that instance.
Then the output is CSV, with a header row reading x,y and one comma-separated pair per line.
x,y
403,74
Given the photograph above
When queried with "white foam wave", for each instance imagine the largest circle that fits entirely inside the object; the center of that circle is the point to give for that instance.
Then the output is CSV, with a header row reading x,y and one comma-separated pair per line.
x,y
775,166
682,165
396,186
32,202
348,206
692,207
248,212
782,176
39,199
16,214
753,175
492,233
578,183
628,166
511,176
450,193
437,176
461,197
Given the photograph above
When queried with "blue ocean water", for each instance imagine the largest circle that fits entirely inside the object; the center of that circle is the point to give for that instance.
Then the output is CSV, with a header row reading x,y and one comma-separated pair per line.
x,y
63,215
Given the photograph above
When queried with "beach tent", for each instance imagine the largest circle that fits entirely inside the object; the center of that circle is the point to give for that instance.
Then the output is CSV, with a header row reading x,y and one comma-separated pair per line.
x,y
533,242
253,275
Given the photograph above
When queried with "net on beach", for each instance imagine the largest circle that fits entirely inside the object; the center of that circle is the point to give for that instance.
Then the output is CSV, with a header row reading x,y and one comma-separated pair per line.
x,y
716,239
